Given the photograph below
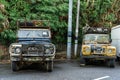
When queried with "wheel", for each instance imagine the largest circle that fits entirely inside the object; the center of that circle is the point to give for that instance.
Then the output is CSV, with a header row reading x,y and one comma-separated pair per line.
x,y
14,66
49,66
118,59
82,62
111,63
87,61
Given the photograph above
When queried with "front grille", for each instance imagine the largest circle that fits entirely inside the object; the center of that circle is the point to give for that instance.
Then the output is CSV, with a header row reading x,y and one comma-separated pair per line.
x,y
33,49
98,50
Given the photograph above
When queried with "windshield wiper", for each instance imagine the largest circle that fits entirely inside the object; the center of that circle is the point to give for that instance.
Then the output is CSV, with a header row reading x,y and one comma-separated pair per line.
x,y
39,35
27,34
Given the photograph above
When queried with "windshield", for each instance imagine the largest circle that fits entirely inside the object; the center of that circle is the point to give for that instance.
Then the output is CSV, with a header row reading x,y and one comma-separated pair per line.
x,y
98,38
33,33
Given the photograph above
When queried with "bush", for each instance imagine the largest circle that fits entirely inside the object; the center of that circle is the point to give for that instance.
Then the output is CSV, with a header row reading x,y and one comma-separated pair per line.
x,y
96,13
7,37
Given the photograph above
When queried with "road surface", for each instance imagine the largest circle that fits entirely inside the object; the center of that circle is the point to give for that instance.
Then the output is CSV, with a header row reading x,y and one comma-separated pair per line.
x,y
62,71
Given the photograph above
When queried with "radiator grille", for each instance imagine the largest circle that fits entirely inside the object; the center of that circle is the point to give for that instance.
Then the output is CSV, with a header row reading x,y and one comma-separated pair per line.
x,y
33,49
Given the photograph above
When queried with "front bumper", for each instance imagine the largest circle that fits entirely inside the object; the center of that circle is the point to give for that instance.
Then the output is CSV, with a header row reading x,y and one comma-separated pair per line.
x,y
32,57
99,57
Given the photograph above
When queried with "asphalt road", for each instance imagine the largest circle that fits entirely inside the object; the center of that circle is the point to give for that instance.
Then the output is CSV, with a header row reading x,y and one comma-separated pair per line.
x,y
63,71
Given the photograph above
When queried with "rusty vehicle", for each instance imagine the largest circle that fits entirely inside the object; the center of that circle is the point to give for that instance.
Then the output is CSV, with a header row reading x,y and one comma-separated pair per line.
x,y
33,46
96,46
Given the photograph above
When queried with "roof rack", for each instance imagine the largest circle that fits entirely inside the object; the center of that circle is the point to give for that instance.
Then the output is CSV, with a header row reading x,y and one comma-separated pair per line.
x,y
93,30
33,24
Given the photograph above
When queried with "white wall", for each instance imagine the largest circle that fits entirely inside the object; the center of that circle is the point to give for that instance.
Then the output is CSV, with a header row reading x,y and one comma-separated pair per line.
x,y
115,36
115,32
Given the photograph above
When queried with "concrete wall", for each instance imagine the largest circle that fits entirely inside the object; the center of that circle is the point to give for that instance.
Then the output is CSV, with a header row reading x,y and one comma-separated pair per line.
x,y
3,52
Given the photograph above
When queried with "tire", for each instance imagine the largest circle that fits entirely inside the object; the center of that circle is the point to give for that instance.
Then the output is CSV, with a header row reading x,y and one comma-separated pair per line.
x,y
118,59
14,66
87,61
49,66
111,63
82,62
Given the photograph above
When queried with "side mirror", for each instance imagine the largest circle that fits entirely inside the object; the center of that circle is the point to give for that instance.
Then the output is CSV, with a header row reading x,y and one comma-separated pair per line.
x,y
110,40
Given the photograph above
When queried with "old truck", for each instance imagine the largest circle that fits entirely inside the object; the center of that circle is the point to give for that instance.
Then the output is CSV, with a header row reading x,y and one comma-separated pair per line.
x,y
33,45
96,46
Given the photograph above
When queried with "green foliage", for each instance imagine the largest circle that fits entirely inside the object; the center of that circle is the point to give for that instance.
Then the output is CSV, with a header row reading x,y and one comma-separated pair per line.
x,y
2,18
92,12
98,12
7,37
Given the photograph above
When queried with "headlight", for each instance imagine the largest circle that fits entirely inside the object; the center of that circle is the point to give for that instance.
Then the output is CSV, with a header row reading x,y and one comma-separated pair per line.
x,y
109,50
17,50
49,49
87,49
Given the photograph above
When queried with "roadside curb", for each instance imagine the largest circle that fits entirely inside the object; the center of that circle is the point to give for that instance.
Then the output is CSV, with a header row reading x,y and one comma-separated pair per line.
x,y
4,61
65,60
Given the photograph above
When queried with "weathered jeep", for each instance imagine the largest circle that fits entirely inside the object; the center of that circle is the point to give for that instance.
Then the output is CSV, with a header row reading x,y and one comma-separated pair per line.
x,y
33,46
96,46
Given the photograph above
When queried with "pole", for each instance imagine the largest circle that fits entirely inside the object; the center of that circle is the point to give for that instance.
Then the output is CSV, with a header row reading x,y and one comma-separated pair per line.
x,y
77,27
69,30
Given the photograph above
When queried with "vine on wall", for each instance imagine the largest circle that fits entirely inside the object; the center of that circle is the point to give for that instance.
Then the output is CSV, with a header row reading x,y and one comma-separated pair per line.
x,y
93,12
